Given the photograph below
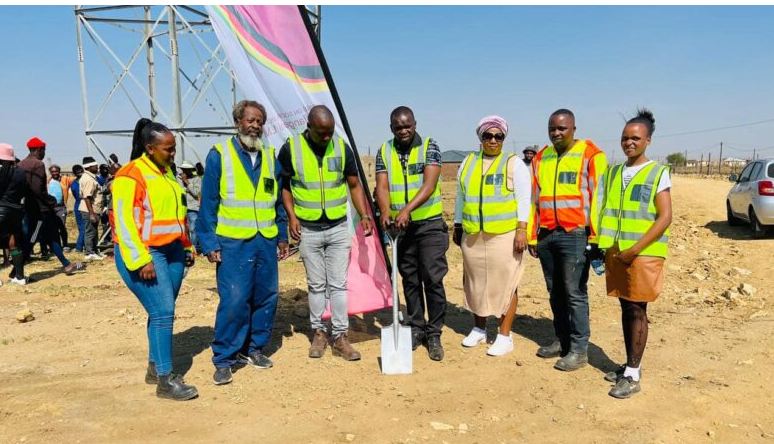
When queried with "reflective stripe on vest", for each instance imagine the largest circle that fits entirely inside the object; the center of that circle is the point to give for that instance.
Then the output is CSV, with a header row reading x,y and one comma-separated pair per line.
x,y
627,214
488,204
406,182
318,187
563,181
246,209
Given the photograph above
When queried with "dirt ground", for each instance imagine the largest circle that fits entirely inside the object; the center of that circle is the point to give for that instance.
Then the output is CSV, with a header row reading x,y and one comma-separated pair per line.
x,y
75,373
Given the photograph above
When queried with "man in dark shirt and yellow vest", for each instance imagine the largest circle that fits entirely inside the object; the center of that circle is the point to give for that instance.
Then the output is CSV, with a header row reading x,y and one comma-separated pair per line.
x,y
563,223
408,170
318,169
241,225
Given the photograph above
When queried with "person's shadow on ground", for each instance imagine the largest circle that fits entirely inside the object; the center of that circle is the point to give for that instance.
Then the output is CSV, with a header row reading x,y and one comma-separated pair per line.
x,y
188,344
538,330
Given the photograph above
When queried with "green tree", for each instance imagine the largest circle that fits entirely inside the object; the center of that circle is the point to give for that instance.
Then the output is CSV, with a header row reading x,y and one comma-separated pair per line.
x,y
676,159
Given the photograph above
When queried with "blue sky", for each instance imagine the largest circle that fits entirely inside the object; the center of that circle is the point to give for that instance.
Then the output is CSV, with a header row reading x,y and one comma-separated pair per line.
x,y
695,67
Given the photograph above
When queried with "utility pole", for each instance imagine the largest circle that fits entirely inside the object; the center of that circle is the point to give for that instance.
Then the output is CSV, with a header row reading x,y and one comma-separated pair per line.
x,y
753,153
685,158
701,163
720,159
709,163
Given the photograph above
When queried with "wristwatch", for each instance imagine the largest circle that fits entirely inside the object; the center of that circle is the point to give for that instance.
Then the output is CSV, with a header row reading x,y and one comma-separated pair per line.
x,y
367,216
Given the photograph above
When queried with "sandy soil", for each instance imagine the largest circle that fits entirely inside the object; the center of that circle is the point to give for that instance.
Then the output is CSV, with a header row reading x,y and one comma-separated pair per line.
x,y
75,373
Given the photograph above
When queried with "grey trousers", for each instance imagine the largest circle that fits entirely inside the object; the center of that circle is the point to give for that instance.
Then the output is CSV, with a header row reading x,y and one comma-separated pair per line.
x,y
326,258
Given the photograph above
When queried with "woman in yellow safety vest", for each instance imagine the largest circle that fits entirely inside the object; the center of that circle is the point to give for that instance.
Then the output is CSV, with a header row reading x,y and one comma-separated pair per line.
x,y
635,216
150,219
490,224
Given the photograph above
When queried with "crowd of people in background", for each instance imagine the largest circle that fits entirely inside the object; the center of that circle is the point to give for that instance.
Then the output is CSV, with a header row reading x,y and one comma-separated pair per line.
x,y
35,203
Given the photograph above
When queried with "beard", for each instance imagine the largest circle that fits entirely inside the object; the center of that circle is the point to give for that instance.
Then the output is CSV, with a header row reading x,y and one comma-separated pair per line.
x,y
250,143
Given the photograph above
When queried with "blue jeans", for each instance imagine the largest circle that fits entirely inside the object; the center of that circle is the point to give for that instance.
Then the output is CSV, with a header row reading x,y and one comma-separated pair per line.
x,y
191,217
248,283
566,270
81,229
158,298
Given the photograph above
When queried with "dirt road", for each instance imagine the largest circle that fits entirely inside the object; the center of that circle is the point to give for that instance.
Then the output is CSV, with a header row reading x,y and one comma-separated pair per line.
x,y
75,373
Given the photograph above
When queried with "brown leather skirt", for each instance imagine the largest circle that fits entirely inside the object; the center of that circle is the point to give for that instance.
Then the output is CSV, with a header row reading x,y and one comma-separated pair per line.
x,y
640,281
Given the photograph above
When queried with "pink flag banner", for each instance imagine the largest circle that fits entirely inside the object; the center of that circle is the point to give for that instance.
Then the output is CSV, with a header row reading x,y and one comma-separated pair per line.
x,y
274,58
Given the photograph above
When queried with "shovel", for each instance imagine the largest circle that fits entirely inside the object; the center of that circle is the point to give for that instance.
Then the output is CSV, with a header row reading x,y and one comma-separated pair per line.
x,y
396,338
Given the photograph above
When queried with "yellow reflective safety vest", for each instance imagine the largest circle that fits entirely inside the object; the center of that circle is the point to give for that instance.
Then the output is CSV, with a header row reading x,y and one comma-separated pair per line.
x,y
406,180
318,187
627,214
246,209
149,210
488,204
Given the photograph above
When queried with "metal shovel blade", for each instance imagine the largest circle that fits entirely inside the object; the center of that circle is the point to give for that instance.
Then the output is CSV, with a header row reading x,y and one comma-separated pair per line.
x,y
396,356
396,338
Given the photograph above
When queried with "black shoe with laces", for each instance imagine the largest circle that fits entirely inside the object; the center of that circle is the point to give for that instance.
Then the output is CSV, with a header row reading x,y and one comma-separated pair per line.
x,y
625,387
257,359
173,387
222,376
615,374
434,348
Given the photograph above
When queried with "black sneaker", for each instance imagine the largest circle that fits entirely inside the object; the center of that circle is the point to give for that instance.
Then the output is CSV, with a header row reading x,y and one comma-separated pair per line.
x,y
434,348
151,377
614,375
256,359
222,375
173,387
624,388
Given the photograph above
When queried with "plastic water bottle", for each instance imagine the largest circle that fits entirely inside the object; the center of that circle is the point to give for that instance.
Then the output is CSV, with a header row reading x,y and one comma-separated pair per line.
x,y
597,263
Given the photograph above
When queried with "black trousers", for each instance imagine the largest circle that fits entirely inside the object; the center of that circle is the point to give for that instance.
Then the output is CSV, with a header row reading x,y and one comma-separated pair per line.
x,y
422,265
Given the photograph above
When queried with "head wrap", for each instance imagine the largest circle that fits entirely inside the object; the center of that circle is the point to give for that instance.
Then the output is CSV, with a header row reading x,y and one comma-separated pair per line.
x,y
187,166
530,149
6,152
490,122
35,143
89,162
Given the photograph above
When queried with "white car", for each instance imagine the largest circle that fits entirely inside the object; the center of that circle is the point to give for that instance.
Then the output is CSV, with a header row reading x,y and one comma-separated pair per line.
x,y
751,199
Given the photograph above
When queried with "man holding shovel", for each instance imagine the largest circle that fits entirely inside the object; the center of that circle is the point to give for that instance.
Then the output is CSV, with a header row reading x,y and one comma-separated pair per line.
x,y
409,195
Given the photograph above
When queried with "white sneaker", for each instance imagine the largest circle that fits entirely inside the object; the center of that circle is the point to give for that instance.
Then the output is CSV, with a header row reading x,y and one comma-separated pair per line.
x,y
93,257
501,346
475,337
22,281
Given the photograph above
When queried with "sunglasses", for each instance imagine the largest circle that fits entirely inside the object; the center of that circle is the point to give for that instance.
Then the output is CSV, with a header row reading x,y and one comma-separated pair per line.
x,y
489,136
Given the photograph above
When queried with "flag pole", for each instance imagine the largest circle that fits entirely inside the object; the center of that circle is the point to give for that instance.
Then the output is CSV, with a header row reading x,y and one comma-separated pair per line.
x,y
344,123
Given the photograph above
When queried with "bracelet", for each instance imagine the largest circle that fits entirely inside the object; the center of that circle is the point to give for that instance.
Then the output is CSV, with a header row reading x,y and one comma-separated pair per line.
x,y
521,230
367,216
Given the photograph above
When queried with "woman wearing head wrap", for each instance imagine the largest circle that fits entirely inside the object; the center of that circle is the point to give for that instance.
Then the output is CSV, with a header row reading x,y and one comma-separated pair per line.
x,y
490,224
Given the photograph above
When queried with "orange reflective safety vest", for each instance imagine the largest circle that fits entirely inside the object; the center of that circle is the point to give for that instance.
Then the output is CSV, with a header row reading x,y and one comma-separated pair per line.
x,y
149,210
565,189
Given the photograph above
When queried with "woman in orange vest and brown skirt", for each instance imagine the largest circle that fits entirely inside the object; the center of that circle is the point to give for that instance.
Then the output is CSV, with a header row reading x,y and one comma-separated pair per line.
x,y
635,216
154,249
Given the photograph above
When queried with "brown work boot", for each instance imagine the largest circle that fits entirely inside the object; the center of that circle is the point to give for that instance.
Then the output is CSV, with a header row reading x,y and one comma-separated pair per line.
x,y
342,347
319,343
